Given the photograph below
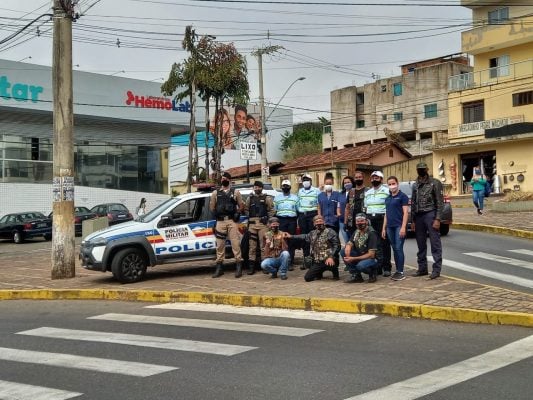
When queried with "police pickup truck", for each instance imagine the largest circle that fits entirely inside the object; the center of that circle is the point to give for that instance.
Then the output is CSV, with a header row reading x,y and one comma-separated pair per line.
x,y
178,230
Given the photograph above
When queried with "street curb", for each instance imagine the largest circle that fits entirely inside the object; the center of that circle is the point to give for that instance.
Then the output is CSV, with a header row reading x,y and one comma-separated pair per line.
x,y
493,229
393,309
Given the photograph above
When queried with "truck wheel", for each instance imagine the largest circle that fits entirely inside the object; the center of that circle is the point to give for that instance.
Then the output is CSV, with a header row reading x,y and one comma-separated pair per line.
x,y
444,229
18,237
129,265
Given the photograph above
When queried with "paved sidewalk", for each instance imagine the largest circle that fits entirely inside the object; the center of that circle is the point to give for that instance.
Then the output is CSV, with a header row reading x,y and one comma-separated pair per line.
x,y
27,275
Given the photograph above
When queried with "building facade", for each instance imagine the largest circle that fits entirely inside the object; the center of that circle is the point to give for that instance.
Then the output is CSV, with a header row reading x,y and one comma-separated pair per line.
x,y
491,108
409,109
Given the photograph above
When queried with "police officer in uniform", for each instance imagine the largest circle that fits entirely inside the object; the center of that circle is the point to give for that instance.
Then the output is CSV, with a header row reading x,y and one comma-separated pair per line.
x,y
285,205
307,210
227,205
258,208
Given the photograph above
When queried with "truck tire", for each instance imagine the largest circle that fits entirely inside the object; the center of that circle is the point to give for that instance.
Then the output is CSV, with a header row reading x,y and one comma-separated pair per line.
x,y
129,265
444,229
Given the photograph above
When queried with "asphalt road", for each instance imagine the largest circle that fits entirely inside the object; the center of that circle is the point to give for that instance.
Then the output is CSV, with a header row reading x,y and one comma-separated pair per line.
x,y
496,260
312,360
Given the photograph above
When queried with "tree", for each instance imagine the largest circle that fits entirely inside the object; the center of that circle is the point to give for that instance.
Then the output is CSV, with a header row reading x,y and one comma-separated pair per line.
x,y
306,138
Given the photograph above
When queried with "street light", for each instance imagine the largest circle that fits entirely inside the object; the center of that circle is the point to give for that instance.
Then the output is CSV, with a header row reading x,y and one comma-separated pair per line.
x,y
25,58
118,72
301,78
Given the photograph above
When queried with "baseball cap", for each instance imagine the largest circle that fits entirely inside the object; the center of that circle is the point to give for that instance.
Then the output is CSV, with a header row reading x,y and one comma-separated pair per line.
x,y
421,165
377,173
226,175
306,177
285,182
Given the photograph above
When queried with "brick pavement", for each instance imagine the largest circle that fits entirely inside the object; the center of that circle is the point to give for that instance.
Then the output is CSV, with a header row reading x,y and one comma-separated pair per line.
x,y
31,270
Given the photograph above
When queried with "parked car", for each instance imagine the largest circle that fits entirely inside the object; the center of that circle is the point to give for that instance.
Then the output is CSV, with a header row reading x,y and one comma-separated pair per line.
x,y
407,188
116,213
80,215
25,225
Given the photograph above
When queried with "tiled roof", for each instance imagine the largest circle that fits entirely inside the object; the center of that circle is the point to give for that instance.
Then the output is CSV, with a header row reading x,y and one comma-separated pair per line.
x,y
255,170
349,154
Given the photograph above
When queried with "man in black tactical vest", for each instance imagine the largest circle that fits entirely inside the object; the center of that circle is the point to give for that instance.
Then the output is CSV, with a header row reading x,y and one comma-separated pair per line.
x,y
227,205
259,207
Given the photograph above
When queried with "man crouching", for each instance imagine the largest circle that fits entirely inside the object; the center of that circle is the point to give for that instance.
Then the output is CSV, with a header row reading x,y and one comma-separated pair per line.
x,y
276,251
359,254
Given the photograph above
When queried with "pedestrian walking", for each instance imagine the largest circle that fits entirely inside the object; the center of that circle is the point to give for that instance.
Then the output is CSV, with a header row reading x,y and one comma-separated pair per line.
x,y
355,203
359,254
258,208
478,184
276,251
307,210
395,224
324,249
347,185
286,209
227,204
375,211
141,209
427,202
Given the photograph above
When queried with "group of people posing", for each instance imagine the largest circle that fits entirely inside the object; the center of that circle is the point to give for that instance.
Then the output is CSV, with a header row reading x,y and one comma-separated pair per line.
x,y
369,221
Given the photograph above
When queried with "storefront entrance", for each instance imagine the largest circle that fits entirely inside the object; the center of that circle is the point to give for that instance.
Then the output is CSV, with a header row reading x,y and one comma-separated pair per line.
x,y
486,161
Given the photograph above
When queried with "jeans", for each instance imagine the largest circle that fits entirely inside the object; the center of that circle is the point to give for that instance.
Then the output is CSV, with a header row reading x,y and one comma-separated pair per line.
x,y
478,196
397,246
423,229
365,266
345,235
273,264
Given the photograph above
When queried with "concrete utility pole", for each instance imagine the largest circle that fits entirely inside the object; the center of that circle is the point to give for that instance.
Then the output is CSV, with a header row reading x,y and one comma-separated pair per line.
x,y
259,54
63,246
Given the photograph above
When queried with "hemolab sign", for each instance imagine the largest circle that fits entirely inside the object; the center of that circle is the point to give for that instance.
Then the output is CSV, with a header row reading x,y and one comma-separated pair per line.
x,y
159,103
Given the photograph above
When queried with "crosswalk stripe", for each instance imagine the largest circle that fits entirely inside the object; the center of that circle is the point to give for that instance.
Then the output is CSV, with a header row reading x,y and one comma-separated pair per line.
x,y
515,280
523,251
85,363
268,312
210,324
442,378
21,391
506,260
139,340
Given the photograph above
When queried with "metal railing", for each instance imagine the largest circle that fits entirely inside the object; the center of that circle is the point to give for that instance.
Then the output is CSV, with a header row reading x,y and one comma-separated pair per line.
x,y
490,76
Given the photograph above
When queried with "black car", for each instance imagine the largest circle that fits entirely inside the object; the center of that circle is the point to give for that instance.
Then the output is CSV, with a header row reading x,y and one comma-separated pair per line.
x,y
25,225
80,215
407,188
116,213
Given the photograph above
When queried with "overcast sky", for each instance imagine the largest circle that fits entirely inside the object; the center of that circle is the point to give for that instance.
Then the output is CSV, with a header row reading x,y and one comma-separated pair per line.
x,y
330,44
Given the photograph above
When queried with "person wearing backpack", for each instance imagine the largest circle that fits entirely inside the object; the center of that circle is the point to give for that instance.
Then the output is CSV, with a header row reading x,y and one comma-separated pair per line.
x,y
479,184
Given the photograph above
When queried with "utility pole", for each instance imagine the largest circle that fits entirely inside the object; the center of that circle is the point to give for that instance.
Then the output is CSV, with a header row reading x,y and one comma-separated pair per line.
x,y
259,54
63,246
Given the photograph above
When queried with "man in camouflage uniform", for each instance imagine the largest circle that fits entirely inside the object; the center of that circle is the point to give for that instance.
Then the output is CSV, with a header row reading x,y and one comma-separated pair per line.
x,y
324,248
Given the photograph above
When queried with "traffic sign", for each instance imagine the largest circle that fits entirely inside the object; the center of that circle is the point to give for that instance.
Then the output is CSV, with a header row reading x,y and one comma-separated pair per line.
x,y
248,149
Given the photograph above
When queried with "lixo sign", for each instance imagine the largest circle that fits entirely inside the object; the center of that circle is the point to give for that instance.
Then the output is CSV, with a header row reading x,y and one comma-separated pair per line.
x,y
19,91
159,103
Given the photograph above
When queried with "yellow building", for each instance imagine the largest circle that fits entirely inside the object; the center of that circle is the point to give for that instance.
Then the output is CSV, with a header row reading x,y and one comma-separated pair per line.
x,y
491,109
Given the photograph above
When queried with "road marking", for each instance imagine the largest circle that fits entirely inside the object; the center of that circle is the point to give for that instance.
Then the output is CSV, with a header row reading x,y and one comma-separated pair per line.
x,y
523,251
268,312
209,324
442,378
506,260
515,280
20,391
139,340
80,362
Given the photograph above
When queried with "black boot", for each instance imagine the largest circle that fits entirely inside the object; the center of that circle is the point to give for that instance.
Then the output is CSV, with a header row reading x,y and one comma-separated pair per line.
x,y
238,270
251,267
219,271
335,271
372,276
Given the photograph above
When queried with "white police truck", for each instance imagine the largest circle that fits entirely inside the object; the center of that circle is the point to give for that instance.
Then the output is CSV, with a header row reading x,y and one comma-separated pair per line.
x,y
178,230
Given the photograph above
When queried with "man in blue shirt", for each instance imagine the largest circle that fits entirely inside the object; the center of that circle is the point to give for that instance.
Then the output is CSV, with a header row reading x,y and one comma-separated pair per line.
x,y
329,205
286,205
307,210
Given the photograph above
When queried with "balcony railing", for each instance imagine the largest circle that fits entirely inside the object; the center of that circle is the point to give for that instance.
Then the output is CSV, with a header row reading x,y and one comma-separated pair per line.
x,y
490,76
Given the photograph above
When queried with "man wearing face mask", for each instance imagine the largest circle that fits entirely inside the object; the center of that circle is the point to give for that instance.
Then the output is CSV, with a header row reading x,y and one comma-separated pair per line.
x,y
276,251
258,208
359,254
329,205
285,206
226,203
307,210
375,210
324,249
427,202
354,203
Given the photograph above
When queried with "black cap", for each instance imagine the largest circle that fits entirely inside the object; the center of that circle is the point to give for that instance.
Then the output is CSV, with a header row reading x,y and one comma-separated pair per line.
x,y
421,165
258,183
226,175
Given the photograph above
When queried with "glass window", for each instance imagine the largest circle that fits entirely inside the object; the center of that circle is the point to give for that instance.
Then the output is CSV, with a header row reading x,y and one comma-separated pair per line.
x,y
499,66
499,16
473,111
398,116
397,89
360,123
430,110
384,117
360,98
523,99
